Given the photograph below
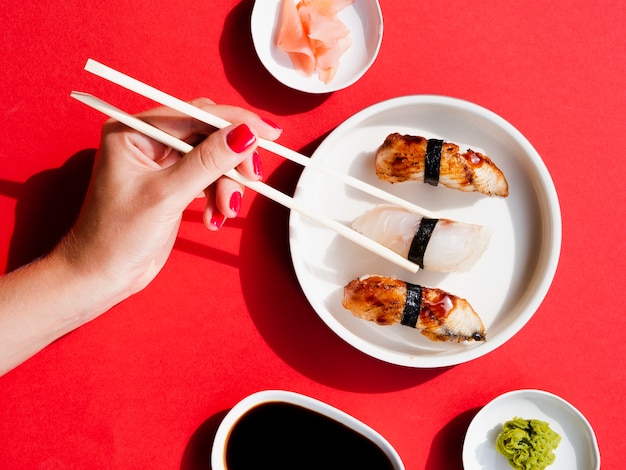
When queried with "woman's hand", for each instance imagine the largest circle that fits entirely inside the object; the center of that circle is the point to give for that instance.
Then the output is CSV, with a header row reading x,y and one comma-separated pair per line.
x,y
139,189
128,223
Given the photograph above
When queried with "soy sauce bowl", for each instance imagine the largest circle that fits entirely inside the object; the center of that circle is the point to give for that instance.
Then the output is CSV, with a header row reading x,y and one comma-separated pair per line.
x,y
363,18
274,428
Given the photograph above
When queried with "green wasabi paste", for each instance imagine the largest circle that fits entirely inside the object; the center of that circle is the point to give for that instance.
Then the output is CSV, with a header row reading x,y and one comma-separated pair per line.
x,y
527,444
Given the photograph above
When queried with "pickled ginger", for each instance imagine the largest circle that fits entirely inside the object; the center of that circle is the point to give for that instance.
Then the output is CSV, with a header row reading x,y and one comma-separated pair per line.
x,y
313,35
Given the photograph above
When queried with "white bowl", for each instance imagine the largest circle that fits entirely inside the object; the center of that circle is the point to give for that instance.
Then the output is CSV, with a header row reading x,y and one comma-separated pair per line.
x,y
363,18
578,449
505,287
218,452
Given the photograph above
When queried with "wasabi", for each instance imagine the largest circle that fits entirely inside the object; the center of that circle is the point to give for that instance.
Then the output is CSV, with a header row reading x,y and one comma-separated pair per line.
x,y
527,444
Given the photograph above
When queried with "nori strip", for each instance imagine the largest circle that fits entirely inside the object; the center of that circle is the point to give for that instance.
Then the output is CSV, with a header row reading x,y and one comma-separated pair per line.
x,y
433,161
412,305
420,241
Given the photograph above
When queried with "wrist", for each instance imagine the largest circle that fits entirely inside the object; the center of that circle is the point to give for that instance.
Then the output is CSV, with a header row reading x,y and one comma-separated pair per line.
x,y
44,300
90,285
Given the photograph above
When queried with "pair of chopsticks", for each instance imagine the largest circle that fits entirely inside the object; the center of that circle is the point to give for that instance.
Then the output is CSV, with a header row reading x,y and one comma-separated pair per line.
x,y
176,104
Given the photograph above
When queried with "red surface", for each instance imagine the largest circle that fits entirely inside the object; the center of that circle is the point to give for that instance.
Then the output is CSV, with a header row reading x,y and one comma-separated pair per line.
x,y
144,385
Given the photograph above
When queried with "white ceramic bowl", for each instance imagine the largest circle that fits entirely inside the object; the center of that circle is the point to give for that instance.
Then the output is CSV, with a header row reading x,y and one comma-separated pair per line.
x,y
505,287
218,453
578,449
363,18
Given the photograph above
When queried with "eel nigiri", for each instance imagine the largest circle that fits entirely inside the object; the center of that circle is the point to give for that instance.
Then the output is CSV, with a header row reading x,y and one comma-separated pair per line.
x,y
434,244
413,158
437,314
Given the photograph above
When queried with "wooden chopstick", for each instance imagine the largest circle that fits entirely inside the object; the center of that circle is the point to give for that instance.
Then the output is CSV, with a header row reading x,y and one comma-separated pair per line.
x,y
258,186
172,102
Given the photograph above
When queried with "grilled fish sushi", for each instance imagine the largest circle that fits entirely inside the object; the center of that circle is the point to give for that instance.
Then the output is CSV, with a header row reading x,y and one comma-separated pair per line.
x,y
434,244
413,158
438,315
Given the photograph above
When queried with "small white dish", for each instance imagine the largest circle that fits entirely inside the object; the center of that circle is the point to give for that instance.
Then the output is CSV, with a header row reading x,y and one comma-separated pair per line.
x,y
578,449
363,18
505,287
230,421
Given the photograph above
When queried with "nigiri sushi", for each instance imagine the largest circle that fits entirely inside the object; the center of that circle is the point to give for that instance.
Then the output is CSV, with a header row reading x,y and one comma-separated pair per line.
x,y
413,158
437,314
434,244
313,35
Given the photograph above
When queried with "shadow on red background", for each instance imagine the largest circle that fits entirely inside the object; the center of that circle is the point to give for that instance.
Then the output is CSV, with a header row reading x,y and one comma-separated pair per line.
x,y
197,454
284,317
49,202
247,75
446,450
47,206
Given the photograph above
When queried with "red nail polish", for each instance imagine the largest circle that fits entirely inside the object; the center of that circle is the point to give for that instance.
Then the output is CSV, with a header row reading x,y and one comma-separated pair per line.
x,y
257,165
271,123
240,138
217,220
235,202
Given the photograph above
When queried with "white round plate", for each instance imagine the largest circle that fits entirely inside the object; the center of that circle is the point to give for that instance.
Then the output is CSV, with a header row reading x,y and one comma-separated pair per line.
x,y
364,20
578,449
507,284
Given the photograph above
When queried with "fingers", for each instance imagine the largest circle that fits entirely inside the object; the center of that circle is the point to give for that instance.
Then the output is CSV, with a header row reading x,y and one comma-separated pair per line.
x,y
222,151
192,131
252,168
182,178
232,147
224,197
224,200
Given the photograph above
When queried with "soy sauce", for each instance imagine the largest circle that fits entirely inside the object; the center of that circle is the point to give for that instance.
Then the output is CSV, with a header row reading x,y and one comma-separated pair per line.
x,y
281,435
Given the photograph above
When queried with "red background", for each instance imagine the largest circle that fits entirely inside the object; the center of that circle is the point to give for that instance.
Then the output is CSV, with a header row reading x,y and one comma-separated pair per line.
x,y
144,386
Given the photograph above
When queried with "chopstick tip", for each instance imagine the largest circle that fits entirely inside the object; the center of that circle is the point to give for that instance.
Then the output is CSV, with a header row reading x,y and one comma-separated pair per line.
x,y
89,62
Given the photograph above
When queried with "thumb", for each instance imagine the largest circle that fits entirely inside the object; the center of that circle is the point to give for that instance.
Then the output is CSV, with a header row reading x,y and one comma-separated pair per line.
x,y
220,152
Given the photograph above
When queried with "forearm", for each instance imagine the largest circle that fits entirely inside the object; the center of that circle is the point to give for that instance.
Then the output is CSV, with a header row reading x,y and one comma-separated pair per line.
x,y
43,301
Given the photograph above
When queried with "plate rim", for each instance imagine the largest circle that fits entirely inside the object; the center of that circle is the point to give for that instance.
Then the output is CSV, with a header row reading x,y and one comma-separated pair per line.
x,y
544,282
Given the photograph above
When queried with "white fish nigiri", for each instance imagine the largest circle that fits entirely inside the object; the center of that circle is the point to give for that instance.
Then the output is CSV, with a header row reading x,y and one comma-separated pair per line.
x,y
435,244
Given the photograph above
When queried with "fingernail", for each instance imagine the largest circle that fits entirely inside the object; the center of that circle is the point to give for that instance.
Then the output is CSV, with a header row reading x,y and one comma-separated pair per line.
x,y
217,220
257,165
271,123
235,202
240,138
